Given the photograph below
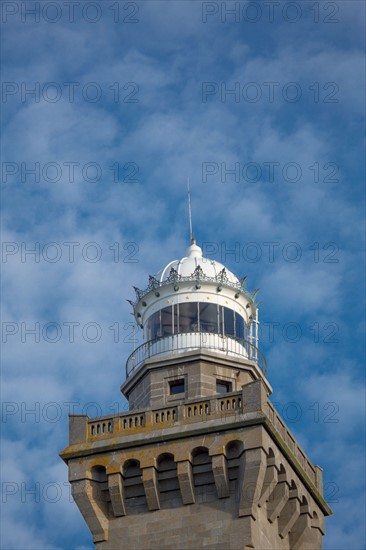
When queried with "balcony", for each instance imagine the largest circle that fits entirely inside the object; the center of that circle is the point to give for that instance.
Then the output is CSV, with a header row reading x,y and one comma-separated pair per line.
x,y
189,341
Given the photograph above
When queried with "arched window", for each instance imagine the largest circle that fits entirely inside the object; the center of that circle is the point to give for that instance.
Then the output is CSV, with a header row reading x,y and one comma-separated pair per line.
x,y
101,494
315,521
98,473
133,487
170,495
233,453
203,479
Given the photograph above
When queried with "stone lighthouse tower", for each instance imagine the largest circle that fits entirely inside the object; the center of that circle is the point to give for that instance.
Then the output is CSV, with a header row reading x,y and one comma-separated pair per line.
x,y
202,459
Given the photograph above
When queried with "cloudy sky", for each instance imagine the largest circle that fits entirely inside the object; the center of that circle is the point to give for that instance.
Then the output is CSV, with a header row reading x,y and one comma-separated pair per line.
x,y
107,107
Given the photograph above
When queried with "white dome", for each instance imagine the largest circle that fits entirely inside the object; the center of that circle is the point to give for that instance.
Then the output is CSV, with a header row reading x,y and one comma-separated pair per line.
x,y
186,266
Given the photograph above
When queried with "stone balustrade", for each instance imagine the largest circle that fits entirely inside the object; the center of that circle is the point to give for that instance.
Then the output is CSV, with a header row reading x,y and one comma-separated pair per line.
x,y
235,404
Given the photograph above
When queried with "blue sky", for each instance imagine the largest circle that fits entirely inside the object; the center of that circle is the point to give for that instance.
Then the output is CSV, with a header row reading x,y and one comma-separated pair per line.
x,y
145,92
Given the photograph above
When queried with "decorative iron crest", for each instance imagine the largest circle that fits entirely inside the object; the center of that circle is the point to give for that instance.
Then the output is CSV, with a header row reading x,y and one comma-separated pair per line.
x,y
222,276
139,292
153,282
173,275
198,273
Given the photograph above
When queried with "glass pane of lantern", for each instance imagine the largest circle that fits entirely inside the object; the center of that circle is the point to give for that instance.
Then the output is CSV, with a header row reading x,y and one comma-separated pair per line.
x,y
188,317
208,317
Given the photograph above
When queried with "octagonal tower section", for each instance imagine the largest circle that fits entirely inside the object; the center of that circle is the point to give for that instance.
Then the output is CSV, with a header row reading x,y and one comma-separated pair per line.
x,y
200,327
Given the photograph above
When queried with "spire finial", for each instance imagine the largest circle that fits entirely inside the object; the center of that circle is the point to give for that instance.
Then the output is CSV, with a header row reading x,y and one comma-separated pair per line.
x,y
192,239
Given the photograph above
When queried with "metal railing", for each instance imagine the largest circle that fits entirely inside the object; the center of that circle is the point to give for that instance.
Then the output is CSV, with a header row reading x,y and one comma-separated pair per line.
x,y
195,340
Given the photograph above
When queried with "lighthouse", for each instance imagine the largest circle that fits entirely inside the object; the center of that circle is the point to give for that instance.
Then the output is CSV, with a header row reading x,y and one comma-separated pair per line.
x,y
202,459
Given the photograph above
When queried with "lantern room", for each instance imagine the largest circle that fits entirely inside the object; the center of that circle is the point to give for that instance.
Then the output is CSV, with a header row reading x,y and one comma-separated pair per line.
x,y
195,303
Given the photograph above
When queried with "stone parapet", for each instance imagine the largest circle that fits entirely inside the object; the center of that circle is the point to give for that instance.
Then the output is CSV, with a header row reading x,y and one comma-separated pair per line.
x,y
248,406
